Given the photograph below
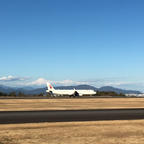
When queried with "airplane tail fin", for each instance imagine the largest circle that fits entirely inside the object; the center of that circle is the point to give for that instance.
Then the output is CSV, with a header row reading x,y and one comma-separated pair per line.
x,y
50,87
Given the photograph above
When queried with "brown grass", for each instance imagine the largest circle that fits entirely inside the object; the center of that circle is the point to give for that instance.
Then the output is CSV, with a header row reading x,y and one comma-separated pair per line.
x,y
67,104
104,132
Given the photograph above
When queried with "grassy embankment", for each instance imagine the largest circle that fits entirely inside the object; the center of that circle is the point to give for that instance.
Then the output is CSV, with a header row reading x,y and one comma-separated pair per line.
x,y
101,132
67,104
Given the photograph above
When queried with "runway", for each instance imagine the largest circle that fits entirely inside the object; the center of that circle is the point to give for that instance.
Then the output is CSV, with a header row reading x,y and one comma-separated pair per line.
x,y
12,117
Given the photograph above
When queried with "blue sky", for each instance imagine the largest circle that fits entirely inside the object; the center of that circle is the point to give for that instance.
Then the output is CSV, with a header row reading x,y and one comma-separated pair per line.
x,y
100,42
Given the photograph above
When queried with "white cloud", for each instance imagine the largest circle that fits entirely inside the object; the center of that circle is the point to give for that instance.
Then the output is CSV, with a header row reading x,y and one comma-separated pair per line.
x,y
12,78
117,83
42,81
68,82
25,81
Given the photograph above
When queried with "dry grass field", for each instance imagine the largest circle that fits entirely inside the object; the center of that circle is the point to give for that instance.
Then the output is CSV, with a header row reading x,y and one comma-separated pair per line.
x,y
67,104
101,132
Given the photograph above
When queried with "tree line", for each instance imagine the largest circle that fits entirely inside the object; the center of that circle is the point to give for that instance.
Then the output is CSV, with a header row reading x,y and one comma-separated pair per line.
x,y
108,93
19,94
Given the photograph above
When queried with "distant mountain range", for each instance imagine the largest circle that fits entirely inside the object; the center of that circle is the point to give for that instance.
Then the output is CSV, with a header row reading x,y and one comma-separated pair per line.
x,y
31,90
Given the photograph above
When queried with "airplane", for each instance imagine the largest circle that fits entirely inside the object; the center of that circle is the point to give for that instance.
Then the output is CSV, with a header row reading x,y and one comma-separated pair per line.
x,y
70,93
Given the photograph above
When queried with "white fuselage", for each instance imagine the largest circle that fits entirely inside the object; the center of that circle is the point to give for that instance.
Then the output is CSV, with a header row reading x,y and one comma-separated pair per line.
x,y
71,92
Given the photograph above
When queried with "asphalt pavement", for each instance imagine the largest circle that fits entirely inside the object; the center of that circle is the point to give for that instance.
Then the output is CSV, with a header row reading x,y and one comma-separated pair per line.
x,y
11,117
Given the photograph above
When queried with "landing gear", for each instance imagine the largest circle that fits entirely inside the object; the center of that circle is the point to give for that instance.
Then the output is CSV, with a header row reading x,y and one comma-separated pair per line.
x,y
50,93
76,94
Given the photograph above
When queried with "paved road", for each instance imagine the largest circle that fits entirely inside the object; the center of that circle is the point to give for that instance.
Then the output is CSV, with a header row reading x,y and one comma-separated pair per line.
x,y
70,115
